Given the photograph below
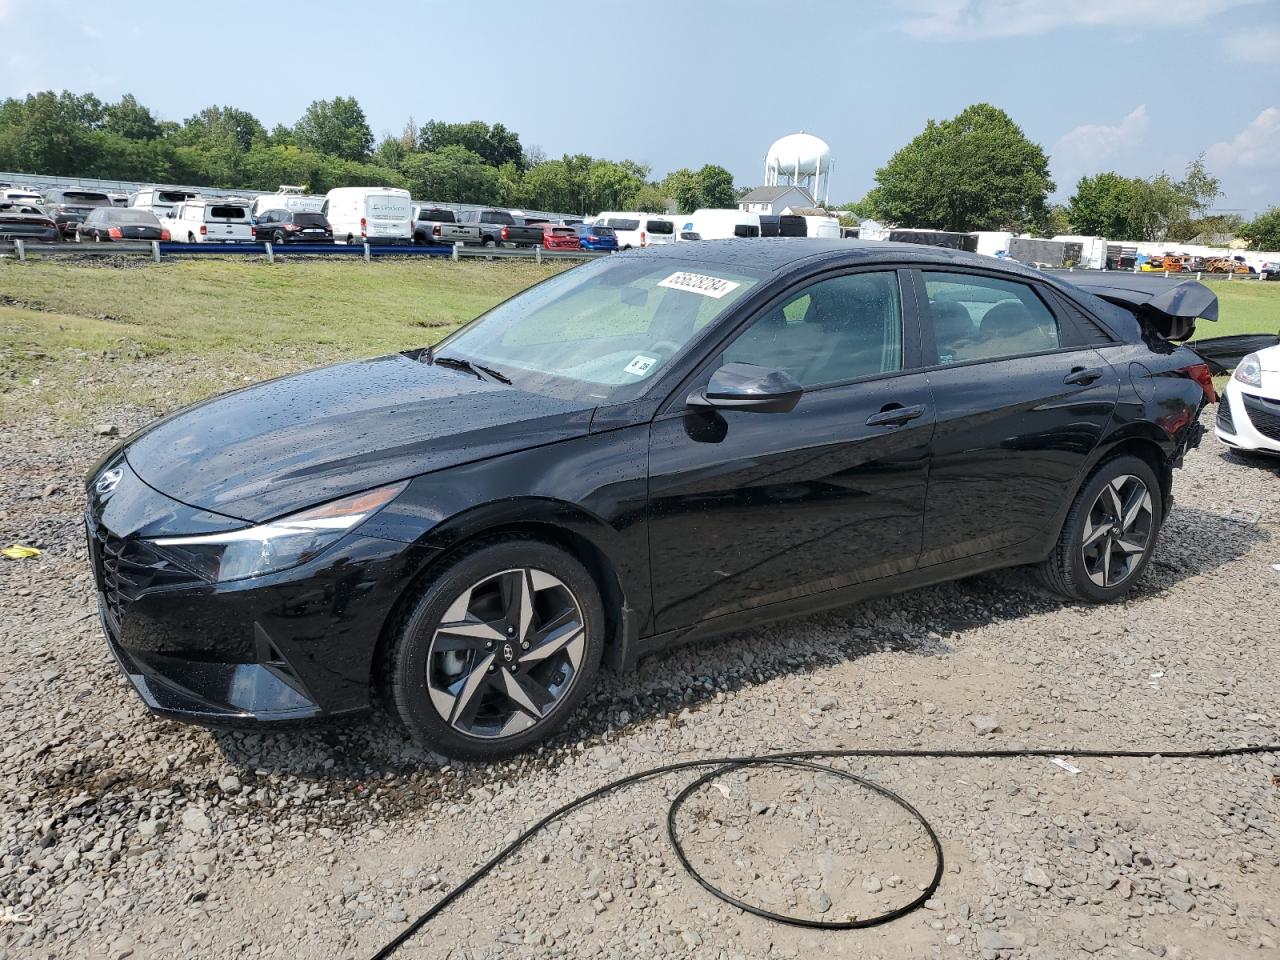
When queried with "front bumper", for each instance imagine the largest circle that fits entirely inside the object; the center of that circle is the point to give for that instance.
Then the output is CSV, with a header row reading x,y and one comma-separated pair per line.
x,y
287,646
1248,420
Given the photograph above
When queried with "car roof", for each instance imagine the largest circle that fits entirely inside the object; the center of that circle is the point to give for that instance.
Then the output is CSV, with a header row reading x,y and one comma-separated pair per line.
x,y
778,253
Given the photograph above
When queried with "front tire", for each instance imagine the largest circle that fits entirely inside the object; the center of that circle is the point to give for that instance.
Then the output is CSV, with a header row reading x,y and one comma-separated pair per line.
x,y
1109,534
499,650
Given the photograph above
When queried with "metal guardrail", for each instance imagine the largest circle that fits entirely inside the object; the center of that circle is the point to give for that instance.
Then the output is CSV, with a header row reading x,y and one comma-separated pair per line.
x,y
158,249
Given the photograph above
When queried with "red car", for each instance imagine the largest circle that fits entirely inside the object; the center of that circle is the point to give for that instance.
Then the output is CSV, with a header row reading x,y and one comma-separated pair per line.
x,y
556,237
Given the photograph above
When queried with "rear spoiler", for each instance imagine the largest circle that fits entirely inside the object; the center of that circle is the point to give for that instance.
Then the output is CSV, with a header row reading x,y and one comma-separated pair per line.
x,y
1168,310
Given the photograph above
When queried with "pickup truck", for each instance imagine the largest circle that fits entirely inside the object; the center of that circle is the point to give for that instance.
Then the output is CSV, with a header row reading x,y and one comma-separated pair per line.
x,y
498,227
432,225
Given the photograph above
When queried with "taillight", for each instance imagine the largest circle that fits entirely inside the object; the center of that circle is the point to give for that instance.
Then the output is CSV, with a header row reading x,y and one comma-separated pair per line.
x,y
253,233
643,239
1201,374
364,227
592,237
292,227
114,233
204,231
505,233
435,231
164,235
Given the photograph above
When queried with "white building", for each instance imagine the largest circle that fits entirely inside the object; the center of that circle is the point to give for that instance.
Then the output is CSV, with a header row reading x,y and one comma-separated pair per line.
x,y
773,200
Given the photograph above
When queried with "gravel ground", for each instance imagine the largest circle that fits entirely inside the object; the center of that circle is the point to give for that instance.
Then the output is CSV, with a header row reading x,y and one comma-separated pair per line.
x,y
126,836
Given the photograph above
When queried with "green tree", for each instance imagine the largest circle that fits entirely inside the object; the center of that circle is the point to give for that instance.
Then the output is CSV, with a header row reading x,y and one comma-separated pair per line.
x,y
495,144
452,174
1106,205
43,134
337,127
715,186
129,119
977,171
1263,231
227,126
860,209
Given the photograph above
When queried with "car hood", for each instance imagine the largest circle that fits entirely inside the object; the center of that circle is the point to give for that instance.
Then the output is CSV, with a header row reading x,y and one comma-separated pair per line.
x,y
286,444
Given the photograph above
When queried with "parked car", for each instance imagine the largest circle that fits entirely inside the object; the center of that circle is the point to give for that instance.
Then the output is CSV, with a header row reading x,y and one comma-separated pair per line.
x,y
161,200
557,237
69,207
287,198
121,223
1249,415
712,224
637,229
499,228
435,225
211,220
17,194
289,226
374,215
735,433
593,236
1270,270
26,221
119,199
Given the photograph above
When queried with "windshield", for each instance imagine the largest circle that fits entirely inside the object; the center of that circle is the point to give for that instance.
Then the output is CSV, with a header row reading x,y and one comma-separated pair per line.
x,y
602,331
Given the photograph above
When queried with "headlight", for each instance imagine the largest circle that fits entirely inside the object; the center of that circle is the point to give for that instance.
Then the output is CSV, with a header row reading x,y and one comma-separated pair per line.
x,y
1249,371
277,545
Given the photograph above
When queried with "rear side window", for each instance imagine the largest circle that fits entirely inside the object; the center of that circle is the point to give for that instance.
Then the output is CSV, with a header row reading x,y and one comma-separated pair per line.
x,y
835,330
986,318
625,224
663,228
746,230
227,213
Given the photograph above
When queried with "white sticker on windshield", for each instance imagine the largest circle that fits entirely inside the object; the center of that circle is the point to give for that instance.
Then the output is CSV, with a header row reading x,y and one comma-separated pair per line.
x,y
640,365
699,283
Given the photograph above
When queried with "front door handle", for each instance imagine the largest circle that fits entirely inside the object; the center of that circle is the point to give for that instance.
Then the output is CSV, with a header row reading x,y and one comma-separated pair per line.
x,y
895,415
1082,376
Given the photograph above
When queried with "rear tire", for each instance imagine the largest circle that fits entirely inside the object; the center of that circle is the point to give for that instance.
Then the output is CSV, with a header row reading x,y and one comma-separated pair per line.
x,y
489,243
1109,534
527,649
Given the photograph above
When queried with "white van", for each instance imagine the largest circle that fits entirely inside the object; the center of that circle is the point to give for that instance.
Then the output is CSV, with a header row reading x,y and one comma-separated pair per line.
x,y
161,200
211,220
822,227
287,198
370,215
719,225
636,229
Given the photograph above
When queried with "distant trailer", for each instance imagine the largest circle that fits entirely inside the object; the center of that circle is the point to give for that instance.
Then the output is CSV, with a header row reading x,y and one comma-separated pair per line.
x,y
936,238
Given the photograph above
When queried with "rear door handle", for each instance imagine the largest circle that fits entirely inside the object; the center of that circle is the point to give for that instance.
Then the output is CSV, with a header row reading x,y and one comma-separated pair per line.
x,y
895,415
1082,376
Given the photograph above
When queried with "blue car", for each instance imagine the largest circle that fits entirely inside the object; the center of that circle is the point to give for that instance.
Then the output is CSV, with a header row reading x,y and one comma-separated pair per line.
x,y
596,238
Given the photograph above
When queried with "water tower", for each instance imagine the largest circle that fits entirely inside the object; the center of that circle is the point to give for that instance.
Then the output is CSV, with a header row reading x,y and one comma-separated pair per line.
x,y
800,159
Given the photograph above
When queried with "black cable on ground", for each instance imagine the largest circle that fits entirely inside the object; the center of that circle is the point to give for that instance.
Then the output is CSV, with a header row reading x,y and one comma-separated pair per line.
x,y
802,759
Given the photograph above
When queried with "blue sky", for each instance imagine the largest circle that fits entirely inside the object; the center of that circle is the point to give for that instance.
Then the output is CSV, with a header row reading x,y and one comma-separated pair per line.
x,y
1137,86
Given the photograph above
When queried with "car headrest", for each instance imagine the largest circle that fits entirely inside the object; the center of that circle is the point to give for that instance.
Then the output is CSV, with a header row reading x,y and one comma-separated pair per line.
x,y
951,321
1007,319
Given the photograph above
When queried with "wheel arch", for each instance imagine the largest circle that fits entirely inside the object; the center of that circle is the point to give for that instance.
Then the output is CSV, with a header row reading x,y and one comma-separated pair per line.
x,y
580,534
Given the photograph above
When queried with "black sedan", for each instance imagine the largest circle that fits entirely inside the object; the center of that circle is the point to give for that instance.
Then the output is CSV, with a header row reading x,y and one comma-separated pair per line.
x,y
120,223
25,221
286,226
646,450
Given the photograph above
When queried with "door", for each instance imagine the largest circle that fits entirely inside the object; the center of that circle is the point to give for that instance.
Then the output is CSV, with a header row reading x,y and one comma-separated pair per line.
x,y
748,509
1022,399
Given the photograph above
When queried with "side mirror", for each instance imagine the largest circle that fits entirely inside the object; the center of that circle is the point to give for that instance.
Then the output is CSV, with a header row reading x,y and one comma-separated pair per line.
x,y
745,386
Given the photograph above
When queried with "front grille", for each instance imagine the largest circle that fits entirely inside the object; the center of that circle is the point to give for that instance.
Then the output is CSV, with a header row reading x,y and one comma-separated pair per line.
x,y
1264,414
126,568
1225,423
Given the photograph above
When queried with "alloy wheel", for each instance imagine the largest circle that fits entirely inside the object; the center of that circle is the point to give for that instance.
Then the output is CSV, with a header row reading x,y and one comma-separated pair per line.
x,y
506,653
1118,531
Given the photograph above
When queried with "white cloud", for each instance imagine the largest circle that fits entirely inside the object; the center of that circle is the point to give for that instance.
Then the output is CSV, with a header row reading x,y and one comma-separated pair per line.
x,y
1085,148
1257,145
1258,45
977,19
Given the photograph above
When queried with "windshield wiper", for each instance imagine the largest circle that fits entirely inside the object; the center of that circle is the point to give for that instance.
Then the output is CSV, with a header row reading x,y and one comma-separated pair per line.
x,y
458,363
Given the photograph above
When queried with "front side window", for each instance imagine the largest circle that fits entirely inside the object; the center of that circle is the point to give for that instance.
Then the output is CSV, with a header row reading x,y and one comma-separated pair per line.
x,y
838,329
602,331
985,318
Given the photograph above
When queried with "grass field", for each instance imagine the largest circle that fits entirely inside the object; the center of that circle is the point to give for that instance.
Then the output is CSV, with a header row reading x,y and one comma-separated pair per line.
x,y
77,338
164,335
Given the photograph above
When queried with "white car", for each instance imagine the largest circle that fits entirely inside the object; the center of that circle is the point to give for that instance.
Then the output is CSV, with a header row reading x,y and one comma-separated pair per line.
x,y
1249,412
211,220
